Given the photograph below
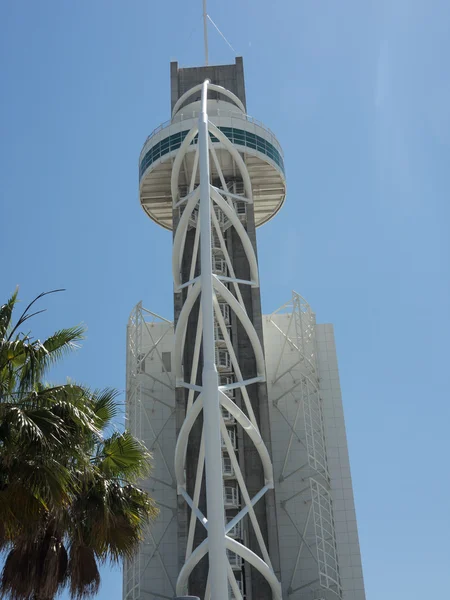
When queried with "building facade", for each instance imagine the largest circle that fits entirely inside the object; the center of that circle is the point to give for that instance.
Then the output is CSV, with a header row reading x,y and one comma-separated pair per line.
x,y
288,501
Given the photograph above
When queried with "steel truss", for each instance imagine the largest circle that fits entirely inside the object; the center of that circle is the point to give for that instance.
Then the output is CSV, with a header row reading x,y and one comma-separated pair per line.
x,y
224,210
148,393
315,574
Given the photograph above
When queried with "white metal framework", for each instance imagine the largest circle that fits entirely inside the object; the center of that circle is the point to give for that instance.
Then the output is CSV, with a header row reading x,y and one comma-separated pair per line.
x,y
304,481
150,391
218,291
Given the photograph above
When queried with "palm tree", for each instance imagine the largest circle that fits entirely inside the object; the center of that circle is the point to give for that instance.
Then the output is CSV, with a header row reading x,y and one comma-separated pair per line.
x,y
68,496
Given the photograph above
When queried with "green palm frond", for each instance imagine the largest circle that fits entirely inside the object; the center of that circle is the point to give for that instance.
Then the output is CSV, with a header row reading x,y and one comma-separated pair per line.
x,y
28,426
62,484
6,311
104,406
111,518
131,511
122,455
121,541
19,509
47,479
12,353
59,414
24,360
72,403
37,357
27,315
63,341
141,507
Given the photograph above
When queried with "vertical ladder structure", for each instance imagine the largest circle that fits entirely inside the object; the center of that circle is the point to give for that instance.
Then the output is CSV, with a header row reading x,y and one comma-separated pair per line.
x,y
303,487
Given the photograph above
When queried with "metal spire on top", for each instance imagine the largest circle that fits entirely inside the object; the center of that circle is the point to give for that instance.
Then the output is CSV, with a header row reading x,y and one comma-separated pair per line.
x,y
205,31
207,18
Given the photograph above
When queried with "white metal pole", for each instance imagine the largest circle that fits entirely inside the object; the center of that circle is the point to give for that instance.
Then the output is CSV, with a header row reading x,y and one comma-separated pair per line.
x,y
205,31
210,380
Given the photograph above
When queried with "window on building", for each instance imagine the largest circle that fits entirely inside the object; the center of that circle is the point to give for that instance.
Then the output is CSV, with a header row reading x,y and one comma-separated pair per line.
x,y
167,362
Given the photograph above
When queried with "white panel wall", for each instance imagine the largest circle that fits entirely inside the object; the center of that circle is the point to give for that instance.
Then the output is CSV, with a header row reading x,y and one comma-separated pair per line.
x,y
152,419
339,467
290,453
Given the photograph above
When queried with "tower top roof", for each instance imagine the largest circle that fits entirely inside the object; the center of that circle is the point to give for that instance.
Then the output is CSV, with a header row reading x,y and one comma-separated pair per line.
x,y
231,77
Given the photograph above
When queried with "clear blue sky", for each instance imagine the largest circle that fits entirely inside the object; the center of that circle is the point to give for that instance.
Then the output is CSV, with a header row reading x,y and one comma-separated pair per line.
x,y
358,94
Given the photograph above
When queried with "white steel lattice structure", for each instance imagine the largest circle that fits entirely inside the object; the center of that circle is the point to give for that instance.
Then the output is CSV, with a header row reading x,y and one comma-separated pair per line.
x,y
241,412
150,415
303,477
220,209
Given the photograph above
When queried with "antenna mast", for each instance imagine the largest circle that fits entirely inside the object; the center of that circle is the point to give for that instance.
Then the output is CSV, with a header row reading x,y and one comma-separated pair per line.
x,y
205,31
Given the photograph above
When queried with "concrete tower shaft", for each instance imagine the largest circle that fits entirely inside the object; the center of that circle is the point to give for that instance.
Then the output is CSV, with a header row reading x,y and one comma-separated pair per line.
x,y
230,258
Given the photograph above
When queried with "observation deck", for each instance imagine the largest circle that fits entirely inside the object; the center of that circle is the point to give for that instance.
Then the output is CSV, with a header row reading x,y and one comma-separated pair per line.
x,y
259,147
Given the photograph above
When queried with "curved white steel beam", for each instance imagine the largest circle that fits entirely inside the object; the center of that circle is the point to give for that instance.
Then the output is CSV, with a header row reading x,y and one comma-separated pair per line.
x,y
182,440
181,327
218,167
258,563
245,494
194,254
178,162
195,359
194,171
211,86
180,237
196,498
253,434
241,418
237,157
243,235
247,325
226,255
234,361
237,548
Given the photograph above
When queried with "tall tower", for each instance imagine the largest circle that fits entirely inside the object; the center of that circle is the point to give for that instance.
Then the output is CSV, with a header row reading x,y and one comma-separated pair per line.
x,y
278,528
